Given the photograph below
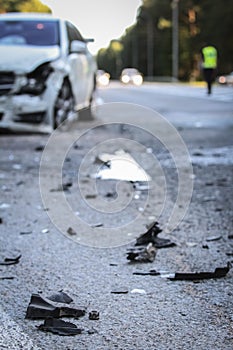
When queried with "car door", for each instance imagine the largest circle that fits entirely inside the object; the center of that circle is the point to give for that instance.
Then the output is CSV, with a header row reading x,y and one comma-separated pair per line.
x,y
79,66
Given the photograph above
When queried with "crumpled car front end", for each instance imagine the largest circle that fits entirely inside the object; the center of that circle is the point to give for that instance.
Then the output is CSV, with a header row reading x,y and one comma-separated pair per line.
x,y
27,89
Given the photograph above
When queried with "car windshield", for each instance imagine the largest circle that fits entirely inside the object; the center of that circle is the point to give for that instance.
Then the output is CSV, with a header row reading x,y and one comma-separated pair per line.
x,y
30,32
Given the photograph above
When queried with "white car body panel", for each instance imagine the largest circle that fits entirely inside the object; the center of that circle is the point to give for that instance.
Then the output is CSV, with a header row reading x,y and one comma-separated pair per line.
x,y
77,67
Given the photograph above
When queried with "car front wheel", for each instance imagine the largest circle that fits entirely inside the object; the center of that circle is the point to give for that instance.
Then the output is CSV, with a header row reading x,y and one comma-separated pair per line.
x,y
64,105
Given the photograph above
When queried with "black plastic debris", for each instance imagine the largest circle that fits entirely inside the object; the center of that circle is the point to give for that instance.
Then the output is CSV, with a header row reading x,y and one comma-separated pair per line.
x,y
230,236
64,187
143,255
1,220
59,327
60,297
41,308
151,236
94,315
150,273
39,148
25,232
120,291
213,238
71,231
6,277
194,276
10,261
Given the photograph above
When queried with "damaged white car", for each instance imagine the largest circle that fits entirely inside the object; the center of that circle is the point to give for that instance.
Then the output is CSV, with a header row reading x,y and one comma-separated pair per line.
x,y
47,73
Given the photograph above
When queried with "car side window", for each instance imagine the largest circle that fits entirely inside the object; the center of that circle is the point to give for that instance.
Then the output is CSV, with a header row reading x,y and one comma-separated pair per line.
x,y
73,33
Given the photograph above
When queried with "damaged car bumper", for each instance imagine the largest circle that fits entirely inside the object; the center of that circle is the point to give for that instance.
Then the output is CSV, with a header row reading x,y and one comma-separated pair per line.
x,y
23,112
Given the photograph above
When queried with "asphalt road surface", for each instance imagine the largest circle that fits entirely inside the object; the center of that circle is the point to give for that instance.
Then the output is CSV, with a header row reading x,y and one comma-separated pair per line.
x,y
65,227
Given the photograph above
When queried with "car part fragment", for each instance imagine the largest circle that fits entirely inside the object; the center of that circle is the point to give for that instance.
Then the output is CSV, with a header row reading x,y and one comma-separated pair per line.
x,y
41,308
10,261
151,236
59,327
60,297
194,276
143,255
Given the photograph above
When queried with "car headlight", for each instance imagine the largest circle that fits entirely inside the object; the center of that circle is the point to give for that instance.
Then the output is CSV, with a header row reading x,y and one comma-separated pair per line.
x,y
35,82
137,80
125,79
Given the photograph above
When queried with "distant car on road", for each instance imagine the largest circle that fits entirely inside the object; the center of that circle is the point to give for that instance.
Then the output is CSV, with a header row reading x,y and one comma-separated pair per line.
x,y
226,79
131,76
102,78
47,73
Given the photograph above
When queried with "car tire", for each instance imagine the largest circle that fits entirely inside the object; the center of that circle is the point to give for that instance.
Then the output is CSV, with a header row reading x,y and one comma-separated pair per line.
x,y
64,105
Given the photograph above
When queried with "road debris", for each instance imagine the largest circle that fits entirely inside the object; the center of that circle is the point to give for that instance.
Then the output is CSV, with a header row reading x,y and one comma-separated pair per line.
x,y
63,187
150,273
6,277
11,261
121,290
138,291
213,238
194,276
41,308
71,231
60,297
94,315
151,236
120,166
142,254
59,327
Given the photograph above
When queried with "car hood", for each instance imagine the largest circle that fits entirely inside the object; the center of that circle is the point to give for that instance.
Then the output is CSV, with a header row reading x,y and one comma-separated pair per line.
x,y
24,59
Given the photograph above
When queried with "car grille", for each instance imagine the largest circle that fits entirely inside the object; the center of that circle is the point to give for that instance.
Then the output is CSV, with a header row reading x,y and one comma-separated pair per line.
x,y
6,82
33,118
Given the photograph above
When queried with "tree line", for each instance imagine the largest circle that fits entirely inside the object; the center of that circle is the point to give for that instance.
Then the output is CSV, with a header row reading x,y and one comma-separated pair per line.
x,y
147,44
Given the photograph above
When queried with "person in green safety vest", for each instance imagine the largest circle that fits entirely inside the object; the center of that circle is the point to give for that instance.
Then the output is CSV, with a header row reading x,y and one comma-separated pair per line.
x,y
209,65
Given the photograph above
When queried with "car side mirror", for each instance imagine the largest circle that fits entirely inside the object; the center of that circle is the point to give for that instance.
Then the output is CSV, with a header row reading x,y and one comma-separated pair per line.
x,y
78,47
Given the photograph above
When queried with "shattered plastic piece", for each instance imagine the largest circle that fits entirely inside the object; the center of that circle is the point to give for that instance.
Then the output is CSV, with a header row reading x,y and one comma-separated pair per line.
x,y
25,232
213,238
10,261
120,291
40,308
121,166
64,187
150,273
59,327
45,230
143,255
151,236
94,315
141,186
60,297
193,276
71,231
39,148
6,277
138,291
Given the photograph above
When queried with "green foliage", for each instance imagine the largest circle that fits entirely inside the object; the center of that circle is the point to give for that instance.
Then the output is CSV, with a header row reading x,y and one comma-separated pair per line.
x,y
199,21
23,6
